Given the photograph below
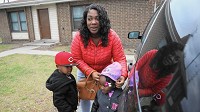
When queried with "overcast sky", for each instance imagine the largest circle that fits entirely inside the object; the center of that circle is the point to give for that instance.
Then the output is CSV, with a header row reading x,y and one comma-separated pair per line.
x,y
1,1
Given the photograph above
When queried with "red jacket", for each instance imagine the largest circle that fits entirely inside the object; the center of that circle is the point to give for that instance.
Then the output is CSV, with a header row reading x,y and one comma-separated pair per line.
x,y
148,84
96,58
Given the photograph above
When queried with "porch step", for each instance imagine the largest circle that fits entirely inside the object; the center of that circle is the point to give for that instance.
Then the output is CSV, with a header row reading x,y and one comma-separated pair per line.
x,y
43,43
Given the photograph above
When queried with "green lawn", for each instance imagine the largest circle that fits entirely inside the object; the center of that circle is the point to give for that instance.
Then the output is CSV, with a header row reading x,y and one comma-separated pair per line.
x,y
4,47
61,48
22,83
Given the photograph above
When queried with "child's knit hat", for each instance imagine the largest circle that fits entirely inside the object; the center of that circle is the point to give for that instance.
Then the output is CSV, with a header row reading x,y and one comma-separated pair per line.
x,y
112,71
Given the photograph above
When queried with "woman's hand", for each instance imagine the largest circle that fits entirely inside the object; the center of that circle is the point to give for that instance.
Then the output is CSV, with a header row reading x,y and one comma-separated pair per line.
x,y
95,75
120,82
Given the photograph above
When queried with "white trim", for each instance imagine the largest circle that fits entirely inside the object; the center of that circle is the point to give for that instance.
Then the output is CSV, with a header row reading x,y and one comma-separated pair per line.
x,y
20,35
73,33
31,3
35,23
52,19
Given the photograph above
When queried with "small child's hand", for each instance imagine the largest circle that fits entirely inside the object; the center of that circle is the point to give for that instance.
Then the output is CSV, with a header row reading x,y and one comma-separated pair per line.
x,y
120,82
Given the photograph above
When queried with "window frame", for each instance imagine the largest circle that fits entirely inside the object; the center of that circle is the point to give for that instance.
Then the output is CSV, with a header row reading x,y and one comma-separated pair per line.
x,y
19,21
72,17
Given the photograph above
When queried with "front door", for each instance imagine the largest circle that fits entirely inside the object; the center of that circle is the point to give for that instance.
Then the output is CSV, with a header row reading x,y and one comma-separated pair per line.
x,y
44,24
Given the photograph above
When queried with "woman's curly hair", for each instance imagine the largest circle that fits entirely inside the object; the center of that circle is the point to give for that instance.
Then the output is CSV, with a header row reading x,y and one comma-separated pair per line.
x,y
104,23
170,48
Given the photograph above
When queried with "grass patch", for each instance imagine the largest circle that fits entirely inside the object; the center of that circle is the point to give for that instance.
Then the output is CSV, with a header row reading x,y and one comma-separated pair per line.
x,y
61,48
4,47
22,83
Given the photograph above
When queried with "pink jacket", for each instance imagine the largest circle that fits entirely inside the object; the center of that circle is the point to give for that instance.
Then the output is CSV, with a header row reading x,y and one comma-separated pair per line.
x,y
96,58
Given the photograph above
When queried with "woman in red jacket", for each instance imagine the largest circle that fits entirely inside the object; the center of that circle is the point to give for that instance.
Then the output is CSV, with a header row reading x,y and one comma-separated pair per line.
x,y
155,70
96,46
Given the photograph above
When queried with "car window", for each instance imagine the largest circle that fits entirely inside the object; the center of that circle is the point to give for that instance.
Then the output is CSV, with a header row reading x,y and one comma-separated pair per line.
x,y
186,18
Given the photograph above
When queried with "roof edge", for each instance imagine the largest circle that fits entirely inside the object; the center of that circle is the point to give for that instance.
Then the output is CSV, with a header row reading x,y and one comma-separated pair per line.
x,y
32,3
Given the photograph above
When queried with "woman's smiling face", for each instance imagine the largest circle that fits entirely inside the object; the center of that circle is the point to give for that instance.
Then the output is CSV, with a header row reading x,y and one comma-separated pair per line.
x,y
93,21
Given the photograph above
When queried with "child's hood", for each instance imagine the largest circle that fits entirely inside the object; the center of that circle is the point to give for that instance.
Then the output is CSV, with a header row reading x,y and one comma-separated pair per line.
x,y
57,80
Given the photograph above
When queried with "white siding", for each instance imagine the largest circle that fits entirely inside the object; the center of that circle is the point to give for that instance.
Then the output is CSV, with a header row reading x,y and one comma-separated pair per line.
x,y
53,22
73,34
20,35
52,19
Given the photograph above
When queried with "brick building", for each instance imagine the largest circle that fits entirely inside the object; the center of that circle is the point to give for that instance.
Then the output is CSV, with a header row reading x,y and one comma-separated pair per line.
x,y
30,20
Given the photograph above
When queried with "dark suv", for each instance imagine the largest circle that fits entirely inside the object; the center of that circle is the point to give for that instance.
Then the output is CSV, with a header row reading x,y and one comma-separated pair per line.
x,y
179,21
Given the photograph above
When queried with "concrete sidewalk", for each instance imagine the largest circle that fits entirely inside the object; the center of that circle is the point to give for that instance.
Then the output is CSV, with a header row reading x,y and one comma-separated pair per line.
x,y
27,50
31,50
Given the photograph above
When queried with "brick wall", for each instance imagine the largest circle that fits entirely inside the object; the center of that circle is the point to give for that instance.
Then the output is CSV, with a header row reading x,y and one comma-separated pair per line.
x,y
4,27
5,32
64,23
125,16
29,20
128,15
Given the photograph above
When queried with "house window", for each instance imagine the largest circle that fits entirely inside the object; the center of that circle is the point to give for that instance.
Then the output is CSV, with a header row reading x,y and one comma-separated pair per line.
x,y
77,15
18,21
